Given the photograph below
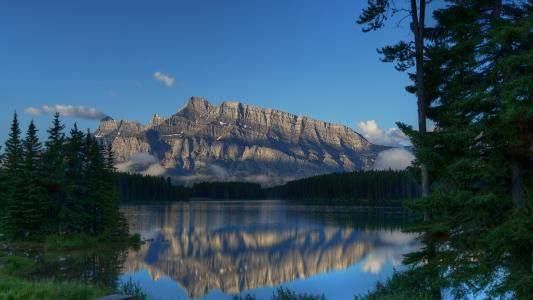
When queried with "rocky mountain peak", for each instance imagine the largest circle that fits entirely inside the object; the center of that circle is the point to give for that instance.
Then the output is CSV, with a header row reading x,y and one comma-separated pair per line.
x,y
156,120
198,104
237,141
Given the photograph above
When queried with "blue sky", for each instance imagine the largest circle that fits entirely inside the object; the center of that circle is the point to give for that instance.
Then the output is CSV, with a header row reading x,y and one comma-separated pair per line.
x,y
306,57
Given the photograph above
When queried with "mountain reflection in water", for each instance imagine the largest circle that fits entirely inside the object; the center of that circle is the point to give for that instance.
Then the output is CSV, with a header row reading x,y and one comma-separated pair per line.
x,y
232,247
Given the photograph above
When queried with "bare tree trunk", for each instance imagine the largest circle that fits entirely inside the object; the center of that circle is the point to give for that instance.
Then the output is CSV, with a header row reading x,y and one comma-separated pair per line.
x,y
418,25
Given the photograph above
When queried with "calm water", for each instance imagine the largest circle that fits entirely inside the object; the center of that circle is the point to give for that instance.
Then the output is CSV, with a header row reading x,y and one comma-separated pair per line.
x,y
213,250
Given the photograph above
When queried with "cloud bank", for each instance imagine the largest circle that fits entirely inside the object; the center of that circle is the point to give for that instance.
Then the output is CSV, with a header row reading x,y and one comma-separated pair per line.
x,y
143,163
395,159
376,135
166,79
83,112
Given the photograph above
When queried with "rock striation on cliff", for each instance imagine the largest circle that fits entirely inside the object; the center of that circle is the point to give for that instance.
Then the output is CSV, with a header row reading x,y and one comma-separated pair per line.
x,y
236,141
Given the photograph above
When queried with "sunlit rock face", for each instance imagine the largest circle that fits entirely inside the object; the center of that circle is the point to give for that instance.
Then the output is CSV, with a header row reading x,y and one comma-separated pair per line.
x,y
204,251
244,142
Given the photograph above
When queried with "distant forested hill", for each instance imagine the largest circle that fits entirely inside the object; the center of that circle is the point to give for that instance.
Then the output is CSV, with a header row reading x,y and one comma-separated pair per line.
x,y
374,188
361,187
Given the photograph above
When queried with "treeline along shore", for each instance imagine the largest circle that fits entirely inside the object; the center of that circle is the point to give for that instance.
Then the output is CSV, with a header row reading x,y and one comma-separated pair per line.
x,y
65,187
59,210
368,188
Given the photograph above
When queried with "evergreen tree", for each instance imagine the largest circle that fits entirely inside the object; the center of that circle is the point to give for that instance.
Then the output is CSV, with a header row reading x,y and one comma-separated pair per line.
x,y
480,230
13,168
3,190
110,158
69,188
408,56
70,213
13,153
95,199
30,211
54,169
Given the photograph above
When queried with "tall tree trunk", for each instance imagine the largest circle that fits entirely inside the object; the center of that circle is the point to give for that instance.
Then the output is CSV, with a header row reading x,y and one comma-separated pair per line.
x,y
418,25
418,21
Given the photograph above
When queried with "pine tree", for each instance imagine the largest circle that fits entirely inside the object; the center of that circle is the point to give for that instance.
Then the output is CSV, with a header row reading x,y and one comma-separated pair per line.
x,y
408,56
32,205
3,190
94,177
13,153
70,212
54,169
110,158
13,168
480,67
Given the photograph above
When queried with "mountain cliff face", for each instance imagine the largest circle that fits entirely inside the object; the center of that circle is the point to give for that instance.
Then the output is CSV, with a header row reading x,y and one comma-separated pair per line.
x,y
235,141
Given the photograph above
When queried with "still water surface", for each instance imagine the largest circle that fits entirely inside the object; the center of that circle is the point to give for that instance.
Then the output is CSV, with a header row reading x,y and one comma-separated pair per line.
x,y
214,250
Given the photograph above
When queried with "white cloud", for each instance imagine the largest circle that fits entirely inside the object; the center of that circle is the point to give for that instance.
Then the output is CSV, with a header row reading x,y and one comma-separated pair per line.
x,y
34,111
376,135
155,170
166,79
374,262
143,163
395,159
89,113
219,171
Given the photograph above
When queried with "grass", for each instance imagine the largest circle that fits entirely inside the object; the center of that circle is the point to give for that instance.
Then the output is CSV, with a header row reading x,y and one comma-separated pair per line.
x,y
80,242
401,286
19,262
284,294
133,289
16,288
13,287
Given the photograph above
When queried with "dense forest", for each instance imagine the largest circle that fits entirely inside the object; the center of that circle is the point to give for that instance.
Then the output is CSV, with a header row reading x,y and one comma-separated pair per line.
x,y
363,188
144,188
227,190
374,188
472,73
64,188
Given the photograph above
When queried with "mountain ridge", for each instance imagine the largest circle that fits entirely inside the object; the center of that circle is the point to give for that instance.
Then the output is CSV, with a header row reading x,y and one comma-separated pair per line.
x,y
237,141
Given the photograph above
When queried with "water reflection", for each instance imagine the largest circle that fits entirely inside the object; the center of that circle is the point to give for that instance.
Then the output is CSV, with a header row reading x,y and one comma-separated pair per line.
x,y
100,267
231,247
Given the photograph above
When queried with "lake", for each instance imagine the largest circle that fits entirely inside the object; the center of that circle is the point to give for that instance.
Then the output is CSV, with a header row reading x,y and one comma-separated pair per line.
x,y
217,249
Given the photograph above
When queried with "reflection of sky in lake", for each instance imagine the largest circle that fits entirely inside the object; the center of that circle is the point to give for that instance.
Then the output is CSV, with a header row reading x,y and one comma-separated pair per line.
x,y
215,250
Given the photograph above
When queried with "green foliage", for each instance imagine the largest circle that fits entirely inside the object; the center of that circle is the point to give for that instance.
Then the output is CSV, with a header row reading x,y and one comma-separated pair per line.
x,y
13,156
80,259
28,214
3,190
227,190
16,265
375,15
144,188
15,288
284,294
12,169
84,241
403,286
478,234
373,188
68,189
132,288
53,164
76,242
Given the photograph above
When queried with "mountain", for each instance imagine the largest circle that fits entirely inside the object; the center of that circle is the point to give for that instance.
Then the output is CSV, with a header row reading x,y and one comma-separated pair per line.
x,y
235,141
